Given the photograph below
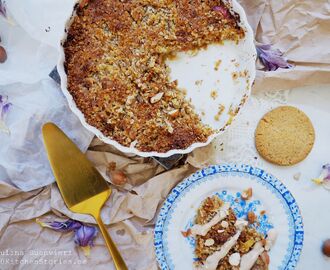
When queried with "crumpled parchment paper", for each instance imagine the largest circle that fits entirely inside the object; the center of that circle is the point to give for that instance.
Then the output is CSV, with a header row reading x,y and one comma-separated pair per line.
x,y
23,161
299,28
130,212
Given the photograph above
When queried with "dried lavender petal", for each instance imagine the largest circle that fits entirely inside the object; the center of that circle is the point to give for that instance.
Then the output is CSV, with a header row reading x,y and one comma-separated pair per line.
x,y
272,59
324,178
326,171
4,106
85,235
66,226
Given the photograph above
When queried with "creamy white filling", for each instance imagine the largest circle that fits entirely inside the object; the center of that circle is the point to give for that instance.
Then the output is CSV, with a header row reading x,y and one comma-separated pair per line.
x,y
198,229
247,260
212,261
241,223
234,259
271,239
250,258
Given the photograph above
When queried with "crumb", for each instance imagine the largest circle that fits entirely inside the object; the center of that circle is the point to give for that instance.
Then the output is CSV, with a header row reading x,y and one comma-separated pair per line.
x,y
217,65
112,166
214,94
263,212
234,75
297,176
198,82
186,233
247,194
221,110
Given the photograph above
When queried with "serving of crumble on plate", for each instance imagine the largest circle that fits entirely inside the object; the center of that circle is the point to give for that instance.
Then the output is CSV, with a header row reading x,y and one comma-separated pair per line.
x,y
224,241
230,216
122,74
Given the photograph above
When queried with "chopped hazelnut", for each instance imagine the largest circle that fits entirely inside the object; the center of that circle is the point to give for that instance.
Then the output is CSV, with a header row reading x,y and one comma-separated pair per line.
x,y
251,216
118,178
156,98
174,113
246,194
3,55
186,233
326,248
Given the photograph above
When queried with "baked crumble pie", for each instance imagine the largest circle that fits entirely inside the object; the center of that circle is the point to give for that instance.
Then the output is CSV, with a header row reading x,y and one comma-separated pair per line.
x,y
224,241
115,55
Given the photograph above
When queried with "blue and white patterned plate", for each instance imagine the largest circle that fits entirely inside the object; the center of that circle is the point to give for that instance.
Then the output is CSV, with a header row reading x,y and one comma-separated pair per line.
x,y
173,251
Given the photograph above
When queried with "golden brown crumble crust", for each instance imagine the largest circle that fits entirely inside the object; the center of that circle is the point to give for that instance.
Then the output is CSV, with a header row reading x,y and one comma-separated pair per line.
x,y
247,239
115,62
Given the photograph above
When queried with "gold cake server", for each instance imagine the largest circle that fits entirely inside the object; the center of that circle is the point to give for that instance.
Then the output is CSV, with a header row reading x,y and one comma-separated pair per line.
x,y
82,187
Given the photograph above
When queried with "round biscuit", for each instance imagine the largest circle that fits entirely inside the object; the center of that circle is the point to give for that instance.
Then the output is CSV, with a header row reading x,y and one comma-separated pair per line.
x,y
284,136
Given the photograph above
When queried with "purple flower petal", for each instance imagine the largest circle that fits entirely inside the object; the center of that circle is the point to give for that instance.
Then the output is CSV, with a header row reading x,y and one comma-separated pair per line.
x,y
224,11
272,59
3,101
326,171
66,226
85,235
5,108
3,10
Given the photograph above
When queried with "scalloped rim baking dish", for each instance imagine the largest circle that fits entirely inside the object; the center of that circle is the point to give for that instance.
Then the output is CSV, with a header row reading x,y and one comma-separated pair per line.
x,y
237,103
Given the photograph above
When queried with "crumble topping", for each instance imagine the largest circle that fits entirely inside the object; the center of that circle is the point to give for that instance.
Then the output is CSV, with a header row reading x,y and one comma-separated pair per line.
x,y
224,241
117,75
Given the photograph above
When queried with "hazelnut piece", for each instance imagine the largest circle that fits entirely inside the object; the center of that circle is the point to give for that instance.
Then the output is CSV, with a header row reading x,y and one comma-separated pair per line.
x,y
3,55
326,248
118,178
246,194
251,216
